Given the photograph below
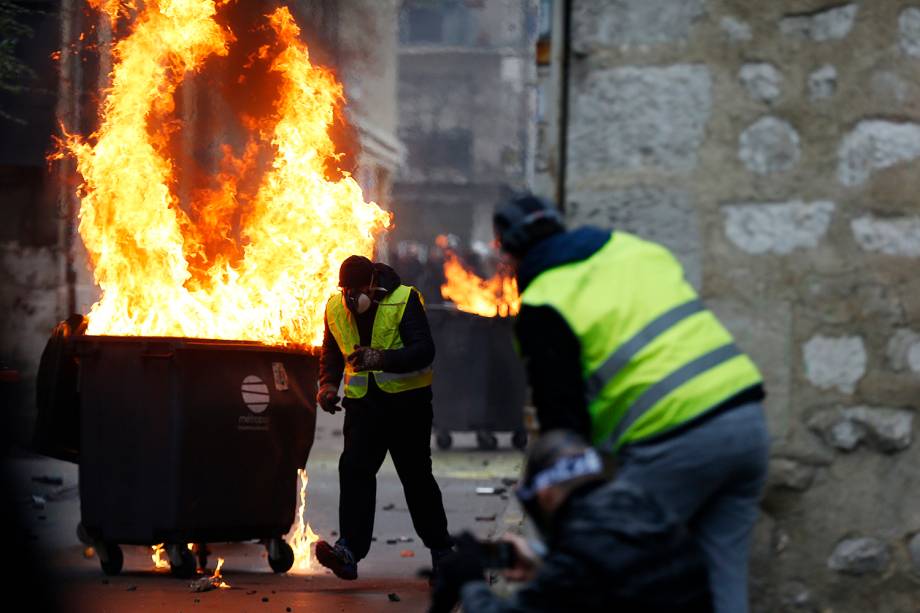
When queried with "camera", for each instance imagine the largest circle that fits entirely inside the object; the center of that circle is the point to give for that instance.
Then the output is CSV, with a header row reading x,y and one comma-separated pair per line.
x,y
497,554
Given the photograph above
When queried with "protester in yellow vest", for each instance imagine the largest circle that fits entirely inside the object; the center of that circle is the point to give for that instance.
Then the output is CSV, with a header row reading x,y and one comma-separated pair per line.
x,y
620,348
377,336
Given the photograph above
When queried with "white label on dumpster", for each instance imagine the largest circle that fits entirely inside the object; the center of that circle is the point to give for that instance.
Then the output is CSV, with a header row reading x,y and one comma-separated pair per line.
x,y
255,394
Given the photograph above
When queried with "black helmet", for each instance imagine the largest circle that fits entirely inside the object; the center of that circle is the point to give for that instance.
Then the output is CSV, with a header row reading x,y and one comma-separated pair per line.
x,y
523,220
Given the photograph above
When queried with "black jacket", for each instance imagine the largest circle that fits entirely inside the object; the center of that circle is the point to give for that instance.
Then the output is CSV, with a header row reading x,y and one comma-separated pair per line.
x,y
612,549
552,351
418,347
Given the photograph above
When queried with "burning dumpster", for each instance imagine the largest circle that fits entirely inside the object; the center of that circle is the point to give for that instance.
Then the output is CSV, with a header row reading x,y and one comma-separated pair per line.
x,y
186,394
185,441
479,379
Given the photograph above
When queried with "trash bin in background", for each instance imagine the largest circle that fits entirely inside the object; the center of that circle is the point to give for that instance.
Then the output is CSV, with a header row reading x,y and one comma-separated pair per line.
x,y
479,381
188,441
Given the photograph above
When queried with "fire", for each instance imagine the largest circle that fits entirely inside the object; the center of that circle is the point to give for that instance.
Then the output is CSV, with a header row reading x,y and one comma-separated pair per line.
x,y
301,541
473,294
245,260
217,579
160,561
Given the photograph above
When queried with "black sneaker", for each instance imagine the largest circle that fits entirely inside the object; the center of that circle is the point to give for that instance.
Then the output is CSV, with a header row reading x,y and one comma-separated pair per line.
x,y
337,558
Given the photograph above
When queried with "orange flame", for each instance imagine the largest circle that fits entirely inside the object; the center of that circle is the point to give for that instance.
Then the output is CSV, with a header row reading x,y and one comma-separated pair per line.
x,y
301,541
217,579
497,296
167,272
160,561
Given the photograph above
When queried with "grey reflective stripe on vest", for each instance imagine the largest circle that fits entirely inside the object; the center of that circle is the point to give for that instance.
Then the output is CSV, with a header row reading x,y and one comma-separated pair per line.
x,y
386,377
659,390
358,378
625,352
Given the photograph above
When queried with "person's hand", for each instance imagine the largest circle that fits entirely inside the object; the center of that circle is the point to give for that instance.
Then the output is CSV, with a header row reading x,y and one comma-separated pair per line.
x,y
328,398
365,358
526,562
455,569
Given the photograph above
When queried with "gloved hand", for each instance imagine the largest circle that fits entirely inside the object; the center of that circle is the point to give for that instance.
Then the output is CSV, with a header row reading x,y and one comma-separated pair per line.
x,y
328,398
365,358
455,570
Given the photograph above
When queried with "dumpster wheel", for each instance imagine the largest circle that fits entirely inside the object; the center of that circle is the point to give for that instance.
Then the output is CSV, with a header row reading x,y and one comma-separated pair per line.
x,y
486,440
280,555
444,440
519,439
110,558
201,553
182,562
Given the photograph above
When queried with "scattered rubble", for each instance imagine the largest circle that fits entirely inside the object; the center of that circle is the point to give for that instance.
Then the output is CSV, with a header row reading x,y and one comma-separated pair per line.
x,y
407,553
490,491
132,588
389,506
38,502
394,597
485,518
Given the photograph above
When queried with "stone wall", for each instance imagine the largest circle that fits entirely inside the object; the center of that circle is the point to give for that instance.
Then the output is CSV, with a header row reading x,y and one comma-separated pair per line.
x,y
774,147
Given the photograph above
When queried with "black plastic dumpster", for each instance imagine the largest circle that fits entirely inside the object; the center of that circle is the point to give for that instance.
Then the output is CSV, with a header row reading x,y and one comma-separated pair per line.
x,y
190,441
479,381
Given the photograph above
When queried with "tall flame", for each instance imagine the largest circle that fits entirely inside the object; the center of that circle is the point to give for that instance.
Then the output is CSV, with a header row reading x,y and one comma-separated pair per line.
x,y
496,296
303,537
156,264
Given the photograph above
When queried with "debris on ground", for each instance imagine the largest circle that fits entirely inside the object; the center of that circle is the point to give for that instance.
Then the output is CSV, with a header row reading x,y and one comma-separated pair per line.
x,y
394,597
215,581
334,533
251,592
336,433
373,539
392,541
203,584
264,598
407,553
485,518
89,552
132,588
48,480
509,482
38,502
490,491
406,539
389,507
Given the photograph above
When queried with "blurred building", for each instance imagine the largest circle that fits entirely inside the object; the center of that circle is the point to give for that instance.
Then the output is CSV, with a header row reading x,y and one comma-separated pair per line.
x,y
44,274
775,148
466,96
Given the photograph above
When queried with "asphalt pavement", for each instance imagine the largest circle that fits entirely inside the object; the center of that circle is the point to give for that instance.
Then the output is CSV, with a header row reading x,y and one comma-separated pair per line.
x,y
46,495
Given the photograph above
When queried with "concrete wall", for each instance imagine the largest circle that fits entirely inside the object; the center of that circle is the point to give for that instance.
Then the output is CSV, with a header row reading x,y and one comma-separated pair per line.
x,y
774,147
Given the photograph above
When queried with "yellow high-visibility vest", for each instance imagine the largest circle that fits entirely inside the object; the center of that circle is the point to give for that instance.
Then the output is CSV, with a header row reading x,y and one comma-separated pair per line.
x,y
385,335
652,356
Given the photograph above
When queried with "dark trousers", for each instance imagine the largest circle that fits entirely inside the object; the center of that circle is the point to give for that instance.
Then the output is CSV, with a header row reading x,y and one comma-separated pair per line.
x,y
400,424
